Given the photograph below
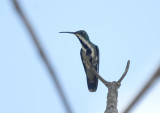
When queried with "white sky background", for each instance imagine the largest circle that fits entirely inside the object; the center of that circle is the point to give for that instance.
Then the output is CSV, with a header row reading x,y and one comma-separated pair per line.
x,y
122,30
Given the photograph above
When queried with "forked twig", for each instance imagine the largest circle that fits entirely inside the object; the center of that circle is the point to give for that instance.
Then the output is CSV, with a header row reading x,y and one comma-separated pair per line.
x,y
112,90
106,82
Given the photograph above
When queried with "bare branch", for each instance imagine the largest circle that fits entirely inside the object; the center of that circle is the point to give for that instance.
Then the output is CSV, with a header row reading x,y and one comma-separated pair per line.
x,y
143,91
43,56
112,97
125,72
99,77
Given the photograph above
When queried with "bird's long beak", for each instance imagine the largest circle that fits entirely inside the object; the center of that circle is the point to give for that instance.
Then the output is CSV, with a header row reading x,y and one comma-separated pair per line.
x,y
68,32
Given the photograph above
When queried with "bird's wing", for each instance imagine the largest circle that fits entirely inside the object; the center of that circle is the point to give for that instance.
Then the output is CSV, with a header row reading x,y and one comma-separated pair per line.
x,y
82,61
97,66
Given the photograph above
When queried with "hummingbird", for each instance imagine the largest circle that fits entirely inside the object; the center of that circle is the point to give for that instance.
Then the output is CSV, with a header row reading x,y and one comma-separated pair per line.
x,y
90,58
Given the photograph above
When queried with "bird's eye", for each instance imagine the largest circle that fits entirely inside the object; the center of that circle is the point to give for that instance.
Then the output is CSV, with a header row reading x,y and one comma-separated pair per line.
x,y
82,32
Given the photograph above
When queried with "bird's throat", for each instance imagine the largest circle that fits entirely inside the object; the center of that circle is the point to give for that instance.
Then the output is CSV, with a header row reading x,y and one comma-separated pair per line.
x,y
86,45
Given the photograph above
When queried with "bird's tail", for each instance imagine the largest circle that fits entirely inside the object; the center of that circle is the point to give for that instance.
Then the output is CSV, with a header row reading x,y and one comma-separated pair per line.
x,y
92,83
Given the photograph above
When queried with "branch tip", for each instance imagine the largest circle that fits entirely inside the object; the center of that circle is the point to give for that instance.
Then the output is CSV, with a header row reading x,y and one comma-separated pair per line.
x,y
125,72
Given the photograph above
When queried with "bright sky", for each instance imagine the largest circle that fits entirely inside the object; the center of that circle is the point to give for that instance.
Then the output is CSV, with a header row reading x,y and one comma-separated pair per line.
x,y
122,29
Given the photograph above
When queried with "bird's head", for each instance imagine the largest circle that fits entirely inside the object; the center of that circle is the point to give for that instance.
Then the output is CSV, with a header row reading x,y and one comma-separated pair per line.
x,y
81,34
